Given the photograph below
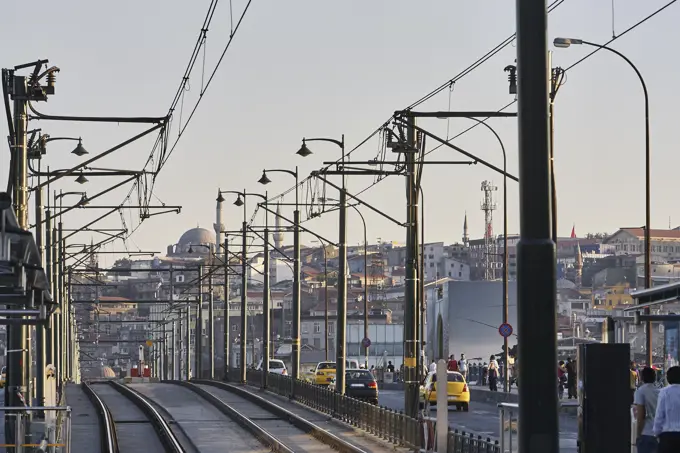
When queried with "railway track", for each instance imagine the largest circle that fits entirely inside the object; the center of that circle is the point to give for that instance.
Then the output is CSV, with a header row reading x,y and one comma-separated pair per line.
x,y
129,423
274,426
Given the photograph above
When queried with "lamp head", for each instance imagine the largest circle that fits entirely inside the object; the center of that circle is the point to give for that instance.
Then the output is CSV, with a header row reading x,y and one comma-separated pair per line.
x,y
81,179
80,150
563,43
304,151
83,200
239,201
191,249
264,180
220,198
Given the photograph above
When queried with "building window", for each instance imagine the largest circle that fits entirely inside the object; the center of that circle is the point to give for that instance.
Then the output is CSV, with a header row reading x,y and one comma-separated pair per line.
x,y
317,343
331,329
449,274
632,328
234,327
460,274
317,327
305,341
661,328
179,279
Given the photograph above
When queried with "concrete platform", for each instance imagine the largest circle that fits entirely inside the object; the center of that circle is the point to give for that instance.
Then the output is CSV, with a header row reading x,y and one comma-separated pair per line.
x,y
84,421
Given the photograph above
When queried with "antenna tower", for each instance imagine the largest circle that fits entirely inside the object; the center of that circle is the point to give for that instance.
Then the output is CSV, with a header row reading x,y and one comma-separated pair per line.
x,y
489,257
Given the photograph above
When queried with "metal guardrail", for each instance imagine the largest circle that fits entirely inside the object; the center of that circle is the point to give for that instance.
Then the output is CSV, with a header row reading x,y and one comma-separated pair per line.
x,y
384,423
24,433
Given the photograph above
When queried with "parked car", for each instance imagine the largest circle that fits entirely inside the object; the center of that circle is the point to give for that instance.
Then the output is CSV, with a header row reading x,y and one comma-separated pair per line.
x,y
359,384
457,391
275,366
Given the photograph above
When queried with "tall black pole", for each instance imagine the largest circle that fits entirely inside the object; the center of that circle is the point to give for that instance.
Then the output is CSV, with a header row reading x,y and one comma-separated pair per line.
x,y
199,326
266,312
342,288
188,341
227,358
49,272
244,295
325,291
506,353
295,357
62,306
40,328
174,344
411,381
173,341
211,329
536,266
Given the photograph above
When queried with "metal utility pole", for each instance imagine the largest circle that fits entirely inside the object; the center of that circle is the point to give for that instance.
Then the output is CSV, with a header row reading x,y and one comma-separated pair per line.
x,y
164,351
40,328
266,312
49,329
188,345
227,358
199,326
536,268
211,328
342,286
60,316
244,295
295,356
411,349
174,345
173,374
17,355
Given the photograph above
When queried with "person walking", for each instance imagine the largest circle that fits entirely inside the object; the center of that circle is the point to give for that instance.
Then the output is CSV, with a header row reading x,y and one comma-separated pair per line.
x,y
561,379
452,364
633,380
571,378
645,400
493,374
667,417
433,366
463,366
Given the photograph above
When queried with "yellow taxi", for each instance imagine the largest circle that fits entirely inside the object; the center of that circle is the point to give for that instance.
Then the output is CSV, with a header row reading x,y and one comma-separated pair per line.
x,y
3,377
457,391
323,374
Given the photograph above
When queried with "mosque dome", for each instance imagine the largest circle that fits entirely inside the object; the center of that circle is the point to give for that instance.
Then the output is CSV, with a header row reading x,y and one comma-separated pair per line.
x,y
196,236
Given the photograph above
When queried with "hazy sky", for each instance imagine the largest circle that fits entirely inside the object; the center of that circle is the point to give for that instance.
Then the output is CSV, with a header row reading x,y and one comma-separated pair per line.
x,y
322,68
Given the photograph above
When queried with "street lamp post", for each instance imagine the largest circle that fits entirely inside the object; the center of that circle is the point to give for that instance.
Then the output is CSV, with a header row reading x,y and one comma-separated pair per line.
x,y
296,269
241,201
342,266
566,42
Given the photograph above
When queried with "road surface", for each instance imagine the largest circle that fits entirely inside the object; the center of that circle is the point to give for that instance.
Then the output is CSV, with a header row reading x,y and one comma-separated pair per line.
x,y
482,419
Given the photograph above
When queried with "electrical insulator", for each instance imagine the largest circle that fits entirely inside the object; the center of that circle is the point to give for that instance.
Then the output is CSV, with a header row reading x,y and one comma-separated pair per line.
x,y
51,78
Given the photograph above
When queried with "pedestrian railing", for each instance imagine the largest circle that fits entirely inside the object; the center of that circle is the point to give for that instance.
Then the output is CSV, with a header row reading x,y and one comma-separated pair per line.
x,y
395,427
37,429
508,418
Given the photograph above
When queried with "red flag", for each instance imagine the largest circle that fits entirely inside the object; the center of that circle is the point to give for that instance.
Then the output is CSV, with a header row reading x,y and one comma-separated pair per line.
x,y
573,232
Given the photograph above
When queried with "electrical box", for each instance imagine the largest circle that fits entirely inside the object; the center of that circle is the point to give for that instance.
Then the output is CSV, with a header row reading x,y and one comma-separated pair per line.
x,y
604,396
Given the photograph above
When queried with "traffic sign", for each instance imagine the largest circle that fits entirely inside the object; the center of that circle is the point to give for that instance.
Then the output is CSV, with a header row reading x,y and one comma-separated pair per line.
x,y
505,330
149,343
366,342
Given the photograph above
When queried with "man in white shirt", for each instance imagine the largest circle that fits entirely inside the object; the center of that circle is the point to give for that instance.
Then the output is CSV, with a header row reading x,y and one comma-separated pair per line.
x,y
645,401
667,419
463,366
433,367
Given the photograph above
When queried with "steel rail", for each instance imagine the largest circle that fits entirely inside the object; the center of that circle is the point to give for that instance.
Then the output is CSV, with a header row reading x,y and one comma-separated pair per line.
x,y
306,426
108,435
260,433
165,434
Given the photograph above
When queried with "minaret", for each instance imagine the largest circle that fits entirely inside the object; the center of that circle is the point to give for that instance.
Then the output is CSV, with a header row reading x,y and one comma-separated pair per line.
x,y
93,257
218,225
278,234
578,265
466,238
